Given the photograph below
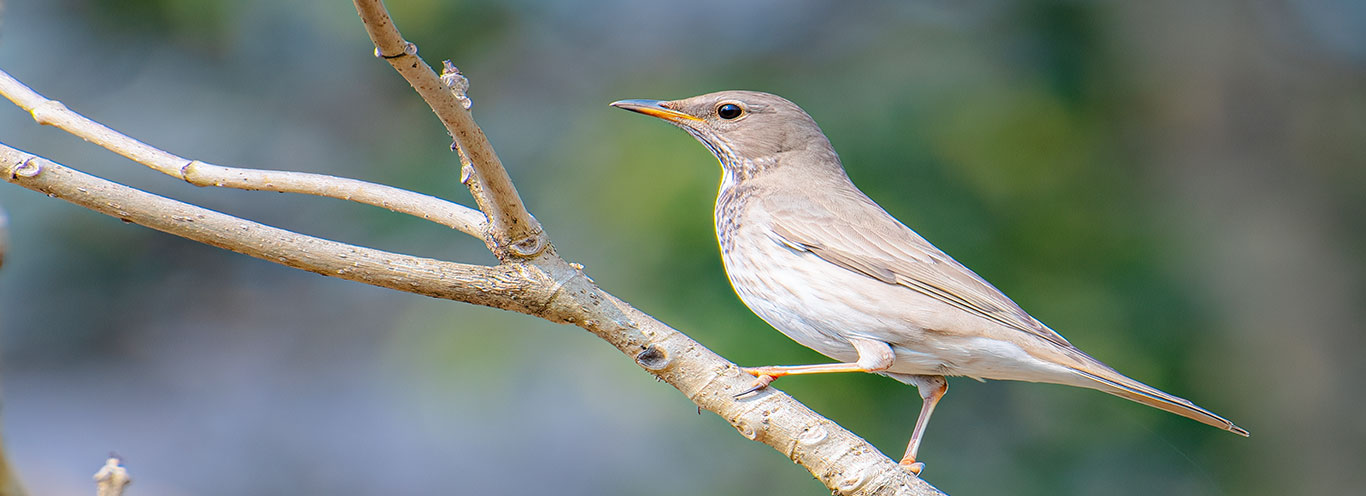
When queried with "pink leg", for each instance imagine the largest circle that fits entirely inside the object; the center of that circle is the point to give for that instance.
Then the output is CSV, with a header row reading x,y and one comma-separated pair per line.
x,y
873,356
763,376
932,388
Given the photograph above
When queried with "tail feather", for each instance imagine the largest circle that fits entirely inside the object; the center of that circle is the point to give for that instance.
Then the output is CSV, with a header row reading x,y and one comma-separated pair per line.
x,y
1124,387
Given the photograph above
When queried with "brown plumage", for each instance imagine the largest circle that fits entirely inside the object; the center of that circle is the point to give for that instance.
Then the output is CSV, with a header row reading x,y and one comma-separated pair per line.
x,y
824,264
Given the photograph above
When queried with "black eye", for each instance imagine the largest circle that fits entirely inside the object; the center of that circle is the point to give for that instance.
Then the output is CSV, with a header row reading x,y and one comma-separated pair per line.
x,y
729,111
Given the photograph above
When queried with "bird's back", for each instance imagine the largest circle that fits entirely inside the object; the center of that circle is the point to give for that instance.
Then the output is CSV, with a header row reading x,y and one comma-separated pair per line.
x,y
820,261
829,262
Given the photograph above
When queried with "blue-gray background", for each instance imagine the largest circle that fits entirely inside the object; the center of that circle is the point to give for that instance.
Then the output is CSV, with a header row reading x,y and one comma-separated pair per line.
x,y
1176,187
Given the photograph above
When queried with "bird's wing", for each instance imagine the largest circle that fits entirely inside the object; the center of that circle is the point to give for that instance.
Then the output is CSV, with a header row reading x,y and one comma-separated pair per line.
x,y
880,247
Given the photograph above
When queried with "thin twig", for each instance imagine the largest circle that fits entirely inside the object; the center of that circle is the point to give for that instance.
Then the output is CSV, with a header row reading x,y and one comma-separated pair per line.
x,y
517,288
516,233
53,113
844,462
533,279
551,289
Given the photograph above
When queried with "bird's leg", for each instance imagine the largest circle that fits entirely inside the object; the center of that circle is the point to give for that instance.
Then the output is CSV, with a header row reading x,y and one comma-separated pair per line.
x,y
763,376
932,388
873,356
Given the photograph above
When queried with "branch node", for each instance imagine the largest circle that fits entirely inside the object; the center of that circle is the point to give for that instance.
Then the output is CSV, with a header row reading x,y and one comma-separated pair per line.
x,y
852,483
653,358
187,170
409,48
750,428
812,435
528,246
48,112
466,171
30,167
456,82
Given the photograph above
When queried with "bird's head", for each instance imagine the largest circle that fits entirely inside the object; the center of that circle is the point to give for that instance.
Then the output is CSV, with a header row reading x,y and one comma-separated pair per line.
x,y
748,131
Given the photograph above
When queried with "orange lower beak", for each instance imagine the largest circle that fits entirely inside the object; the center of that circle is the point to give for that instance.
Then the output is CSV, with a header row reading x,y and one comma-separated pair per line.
x,y
655,108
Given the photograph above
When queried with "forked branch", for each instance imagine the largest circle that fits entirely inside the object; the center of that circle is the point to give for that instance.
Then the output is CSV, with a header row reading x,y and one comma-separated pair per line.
x,y
531,279
510,287
516,233
50,112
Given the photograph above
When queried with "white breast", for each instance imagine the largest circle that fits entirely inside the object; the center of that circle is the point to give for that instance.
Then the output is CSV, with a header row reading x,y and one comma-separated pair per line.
x,y
817,304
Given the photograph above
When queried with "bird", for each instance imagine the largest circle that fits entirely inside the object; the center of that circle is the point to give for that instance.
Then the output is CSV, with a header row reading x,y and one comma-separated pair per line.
x,y
817,259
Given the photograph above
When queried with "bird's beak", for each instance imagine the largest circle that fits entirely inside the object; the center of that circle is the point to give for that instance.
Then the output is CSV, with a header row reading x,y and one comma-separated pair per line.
x,y
655,108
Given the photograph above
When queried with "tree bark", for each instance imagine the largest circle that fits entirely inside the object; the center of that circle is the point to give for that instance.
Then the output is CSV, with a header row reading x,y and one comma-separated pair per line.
x,y
532,278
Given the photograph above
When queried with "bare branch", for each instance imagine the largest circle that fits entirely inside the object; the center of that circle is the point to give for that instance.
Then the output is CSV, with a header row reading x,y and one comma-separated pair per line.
x,y
53,113
841,460
519,288
533,279
399,200
516,233
551,289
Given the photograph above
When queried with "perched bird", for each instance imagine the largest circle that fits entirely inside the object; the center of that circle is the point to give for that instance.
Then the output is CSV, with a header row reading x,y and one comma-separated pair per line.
x,y
817,259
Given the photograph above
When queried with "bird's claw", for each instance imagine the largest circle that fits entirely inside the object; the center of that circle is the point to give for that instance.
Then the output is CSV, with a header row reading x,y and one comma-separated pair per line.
x,y
915,468
761,381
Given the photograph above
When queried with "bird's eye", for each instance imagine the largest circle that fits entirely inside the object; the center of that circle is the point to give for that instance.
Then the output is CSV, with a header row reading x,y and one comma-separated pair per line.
x,y
729,111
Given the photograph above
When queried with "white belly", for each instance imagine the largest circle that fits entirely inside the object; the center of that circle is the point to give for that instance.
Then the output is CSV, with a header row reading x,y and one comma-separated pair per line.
x,y
817,304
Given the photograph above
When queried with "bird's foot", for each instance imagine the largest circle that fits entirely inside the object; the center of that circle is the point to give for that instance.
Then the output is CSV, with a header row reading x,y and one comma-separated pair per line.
x,y
761,381
912,466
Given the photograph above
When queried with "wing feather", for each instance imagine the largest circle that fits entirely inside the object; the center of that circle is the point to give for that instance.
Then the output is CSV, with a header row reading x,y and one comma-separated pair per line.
x,y
888,251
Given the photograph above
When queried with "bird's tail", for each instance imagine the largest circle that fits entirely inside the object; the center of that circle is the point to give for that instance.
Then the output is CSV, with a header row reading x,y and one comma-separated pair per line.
x,y
1106,379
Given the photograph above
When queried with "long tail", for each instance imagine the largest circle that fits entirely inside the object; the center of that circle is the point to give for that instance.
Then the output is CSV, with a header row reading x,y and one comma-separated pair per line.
x,y
1106,379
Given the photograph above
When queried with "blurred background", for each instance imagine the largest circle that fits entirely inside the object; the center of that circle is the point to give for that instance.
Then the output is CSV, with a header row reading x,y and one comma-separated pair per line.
x,y
1177,187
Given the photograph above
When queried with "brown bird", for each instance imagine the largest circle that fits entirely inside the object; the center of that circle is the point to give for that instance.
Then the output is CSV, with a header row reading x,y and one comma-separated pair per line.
x,y
820,261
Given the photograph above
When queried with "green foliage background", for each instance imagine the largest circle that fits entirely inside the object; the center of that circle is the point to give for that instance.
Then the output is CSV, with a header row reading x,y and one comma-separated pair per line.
x,y
1177,188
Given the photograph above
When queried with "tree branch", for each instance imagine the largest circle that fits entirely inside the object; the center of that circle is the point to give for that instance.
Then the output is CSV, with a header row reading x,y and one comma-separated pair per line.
x,y
551,289
50,112
515,232
517,288
532,279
